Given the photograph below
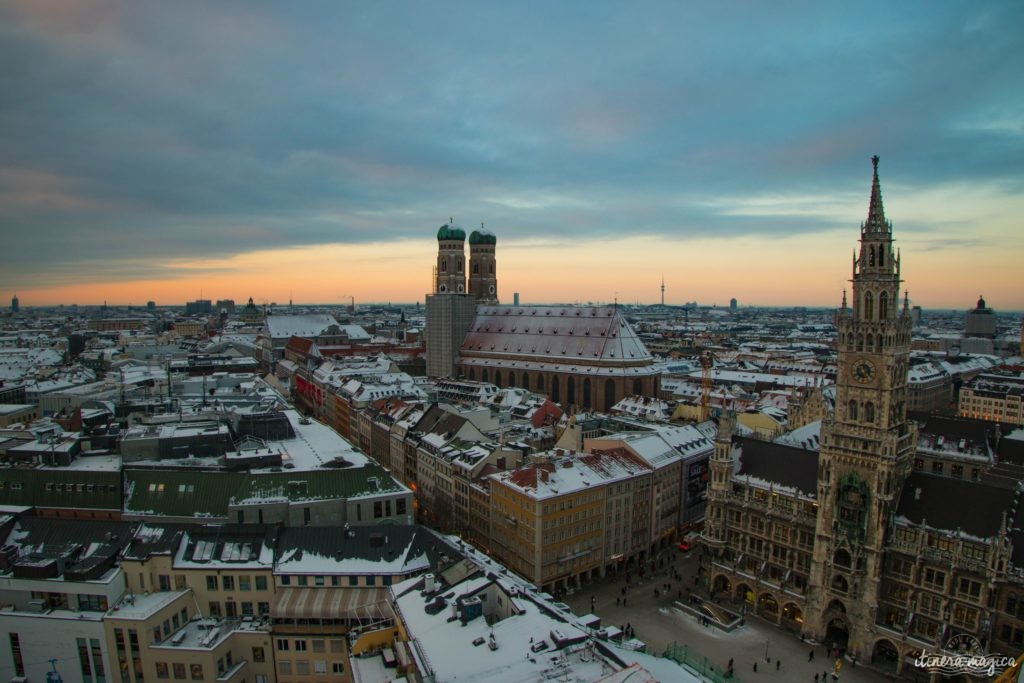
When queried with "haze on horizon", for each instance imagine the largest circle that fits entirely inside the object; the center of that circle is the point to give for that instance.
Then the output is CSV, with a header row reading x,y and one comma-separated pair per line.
x,y
153,151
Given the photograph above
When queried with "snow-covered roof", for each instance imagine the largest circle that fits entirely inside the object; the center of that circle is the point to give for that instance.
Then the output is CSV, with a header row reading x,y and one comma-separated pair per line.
x,y
565,335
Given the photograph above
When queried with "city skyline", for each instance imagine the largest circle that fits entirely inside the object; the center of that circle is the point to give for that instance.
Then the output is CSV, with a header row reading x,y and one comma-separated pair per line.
x,y
241,150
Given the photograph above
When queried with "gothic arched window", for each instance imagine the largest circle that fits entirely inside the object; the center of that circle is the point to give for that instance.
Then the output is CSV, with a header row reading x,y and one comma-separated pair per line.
x,y
540,383
497,378
851,410
869,412
459,264
871,256
492,269
476,269
444,266
860,342
883,306
881,256
609,394
869,306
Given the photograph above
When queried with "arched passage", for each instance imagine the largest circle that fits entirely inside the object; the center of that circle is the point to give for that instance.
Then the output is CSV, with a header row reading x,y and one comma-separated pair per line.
x,y
744,593
885,655
767,606
792,616
722,584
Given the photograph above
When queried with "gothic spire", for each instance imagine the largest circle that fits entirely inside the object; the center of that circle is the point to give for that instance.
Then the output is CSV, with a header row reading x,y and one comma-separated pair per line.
x,y
876,212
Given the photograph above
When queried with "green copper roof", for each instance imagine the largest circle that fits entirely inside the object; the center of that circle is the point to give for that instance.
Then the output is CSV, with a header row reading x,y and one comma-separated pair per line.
x,y
451,232
482,237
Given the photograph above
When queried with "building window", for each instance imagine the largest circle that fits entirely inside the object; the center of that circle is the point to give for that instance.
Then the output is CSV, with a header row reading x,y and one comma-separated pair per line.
x,y
229,583
261,583
257,655
286,580
338,668
179,671
244,584
211,582
378,510
318,645
264,608
319,666
282,644
162,670
353,580
284,668
303,580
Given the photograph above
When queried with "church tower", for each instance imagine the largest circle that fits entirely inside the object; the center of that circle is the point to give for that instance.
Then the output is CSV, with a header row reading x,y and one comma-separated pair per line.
x,y
866,447
721,468
450,273
483,280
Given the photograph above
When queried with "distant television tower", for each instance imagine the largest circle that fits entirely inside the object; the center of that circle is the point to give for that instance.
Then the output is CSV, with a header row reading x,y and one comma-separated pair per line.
x,y
662,290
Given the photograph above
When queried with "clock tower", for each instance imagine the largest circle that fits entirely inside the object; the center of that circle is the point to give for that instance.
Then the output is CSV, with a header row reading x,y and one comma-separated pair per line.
x,y
866,446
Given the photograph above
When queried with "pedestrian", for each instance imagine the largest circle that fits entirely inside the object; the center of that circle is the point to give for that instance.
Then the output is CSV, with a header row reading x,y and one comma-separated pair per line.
x,y
755,667
617,601
623,602
815,678
777,664
730,663
810,656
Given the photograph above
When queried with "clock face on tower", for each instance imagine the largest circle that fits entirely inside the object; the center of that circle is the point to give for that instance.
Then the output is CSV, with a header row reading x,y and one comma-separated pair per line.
x,y
863,371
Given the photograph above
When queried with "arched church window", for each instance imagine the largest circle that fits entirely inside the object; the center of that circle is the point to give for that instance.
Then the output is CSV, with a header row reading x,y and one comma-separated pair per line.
x,y
842,558
540,382
860,342
609,394
869,412
881,256
459,263
840,584
883,307
497,378
879,342
851,409
871,343
492,269
476,269
588,396
869,306
871,256
483,375
444,266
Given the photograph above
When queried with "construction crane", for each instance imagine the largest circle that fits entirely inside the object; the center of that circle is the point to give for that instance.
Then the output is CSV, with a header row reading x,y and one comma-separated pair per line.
x,y
707,361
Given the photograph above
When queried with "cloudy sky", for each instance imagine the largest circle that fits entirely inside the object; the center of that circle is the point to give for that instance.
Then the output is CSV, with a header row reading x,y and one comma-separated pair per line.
x,y
159,150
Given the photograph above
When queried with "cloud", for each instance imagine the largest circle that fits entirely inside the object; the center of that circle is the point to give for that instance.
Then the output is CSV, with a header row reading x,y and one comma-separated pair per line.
x,y
131,131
